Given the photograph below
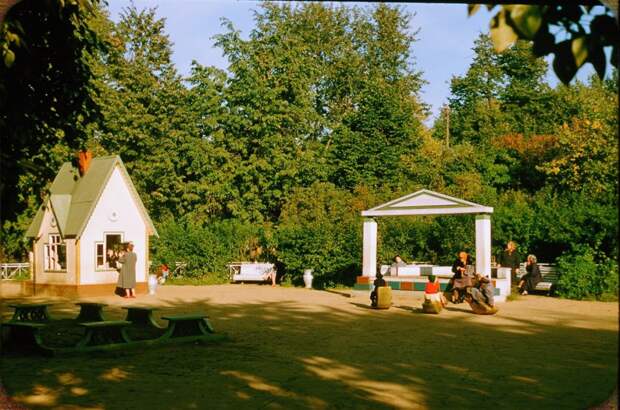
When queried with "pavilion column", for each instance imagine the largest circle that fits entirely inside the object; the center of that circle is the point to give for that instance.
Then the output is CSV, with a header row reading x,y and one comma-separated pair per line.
x,y
483,244
369,259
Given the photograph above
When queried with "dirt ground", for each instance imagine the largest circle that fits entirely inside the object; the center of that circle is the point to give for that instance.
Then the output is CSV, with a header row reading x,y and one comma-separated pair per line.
x,y
292,348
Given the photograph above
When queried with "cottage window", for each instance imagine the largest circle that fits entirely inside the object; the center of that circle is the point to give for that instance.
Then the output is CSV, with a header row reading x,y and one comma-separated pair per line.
x,y
107,252
55,254
100,255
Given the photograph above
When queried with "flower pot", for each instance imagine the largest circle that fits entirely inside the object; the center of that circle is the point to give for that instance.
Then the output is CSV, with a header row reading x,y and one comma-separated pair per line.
x,y
308,278
152,284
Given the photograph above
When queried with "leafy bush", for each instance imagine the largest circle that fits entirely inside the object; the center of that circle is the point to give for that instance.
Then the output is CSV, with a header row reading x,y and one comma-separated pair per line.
x,y
582,277
514,219
573,218
206,249
320,230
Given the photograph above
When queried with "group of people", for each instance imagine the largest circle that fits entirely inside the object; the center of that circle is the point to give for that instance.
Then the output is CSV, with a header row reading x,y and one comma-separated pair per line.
x,y
468,286
510,258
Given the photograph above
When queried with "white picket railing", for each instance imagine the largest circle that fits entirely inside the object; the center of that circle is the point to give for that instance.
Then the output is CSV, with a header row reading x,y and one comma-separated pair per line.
x,y
11,270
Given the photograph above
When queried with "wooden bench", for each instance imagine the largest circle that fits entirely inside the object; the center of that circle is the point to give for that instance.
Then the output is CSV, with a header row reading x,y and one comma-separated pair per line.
x,y
195,324
549,274
24,336
105,332
91,312
31,313
250,271
141,316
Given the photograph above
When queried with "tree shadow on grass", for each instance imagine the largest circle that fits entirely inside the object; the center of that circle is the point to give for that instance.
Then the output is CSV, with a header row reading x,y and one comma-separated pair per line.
x,y
293,356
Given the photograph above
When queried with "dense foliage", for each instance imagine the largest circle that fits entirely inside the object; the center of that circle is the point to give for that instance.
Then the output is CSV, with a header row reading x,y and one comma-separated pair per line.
x,y
45,103
318,117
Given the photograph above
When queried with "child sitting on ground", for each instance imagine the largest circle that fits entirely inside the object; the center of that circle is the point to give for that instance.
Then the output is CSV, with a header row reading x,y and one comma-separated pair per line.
x,y
480,297
434,300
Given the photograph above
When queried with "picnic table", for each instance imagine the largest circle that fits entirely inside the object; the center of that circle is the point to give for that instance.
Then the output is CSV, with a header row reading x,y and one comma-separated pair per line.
x,y
31,312
194,324
104,332
91,312
141,315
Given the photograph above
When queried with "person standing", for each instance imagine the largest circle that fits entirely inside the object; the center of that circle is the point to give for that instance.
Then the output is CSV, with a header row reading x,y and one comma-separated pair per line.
x,y
510,258
162,274
127,275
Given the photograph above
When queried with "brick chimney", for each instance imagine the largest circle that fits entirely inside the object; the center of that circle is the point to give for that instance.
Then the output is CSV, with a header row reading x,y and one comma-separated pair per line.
x,y
84,158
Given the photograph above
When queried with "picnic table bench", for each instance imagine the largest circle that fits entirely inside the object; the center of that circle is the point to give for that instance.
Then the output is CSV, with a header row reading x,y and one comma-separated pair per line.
x,y
105,332
91,312
141,316
31,312
194,324
24,335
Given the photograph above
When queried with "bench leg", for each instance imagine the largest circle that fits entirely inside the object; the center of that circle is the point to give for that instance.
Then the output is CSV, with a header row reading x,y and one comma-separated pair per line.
x,y
103,336
186,328
142,318
207,328
90,314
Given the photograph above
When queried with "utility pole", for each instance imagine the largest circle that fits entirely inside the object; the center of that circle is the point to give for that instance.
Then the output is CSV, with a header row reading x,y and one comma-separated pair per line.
x,y
447,125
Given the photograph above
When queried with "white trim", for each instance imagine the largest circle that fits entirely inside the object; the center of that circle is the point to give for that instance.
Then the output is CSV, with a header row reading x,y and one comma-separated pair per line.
x,y
456,201
105,267
431,211
54,245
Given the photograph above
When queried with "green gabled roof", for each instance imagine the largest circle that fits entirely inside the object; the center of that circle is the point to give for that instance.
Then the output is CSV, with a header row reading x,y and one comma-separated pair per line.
x,y
73,198
33,229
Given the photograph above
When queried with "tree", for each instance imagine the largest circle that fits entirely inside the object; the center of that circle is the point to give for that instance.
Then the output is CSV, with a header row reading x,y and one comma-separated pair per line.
x,y
473,103
45,100
150,117
317,93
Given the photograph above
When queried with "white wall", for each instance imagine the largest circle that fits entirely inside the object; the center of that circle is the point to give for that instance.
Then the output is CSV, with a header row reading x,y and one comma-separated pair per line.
x,y
116,198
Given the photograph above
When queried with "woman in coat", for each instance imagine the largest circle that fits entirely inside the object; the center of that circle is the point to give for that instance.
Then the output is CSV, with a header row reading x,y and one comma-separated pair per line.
x,y
127,274
531,278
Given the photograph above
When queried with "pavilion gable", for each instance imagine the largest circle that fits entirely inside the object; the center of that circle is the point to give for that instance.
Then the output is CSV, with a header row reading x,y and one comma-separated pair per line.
x,y
426,202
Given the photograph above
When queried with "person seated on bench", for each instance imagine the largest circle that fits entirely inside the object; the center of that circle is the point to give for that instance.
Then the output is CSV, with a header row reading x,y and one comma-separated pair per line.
x,y
270,275
434,301
398,261
379,282
529,281
461,279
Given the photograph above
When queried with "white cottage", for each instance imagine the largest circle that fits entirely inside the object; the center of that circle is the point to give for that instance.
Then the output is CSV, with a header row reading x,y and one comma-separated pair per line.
x,y
86,217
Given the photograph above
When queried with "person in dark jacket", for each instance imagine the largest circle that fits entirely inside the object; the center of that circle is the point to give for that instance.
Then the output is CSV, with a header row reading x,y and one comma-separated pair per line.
x,y
532,277
379,282
460,280
510,258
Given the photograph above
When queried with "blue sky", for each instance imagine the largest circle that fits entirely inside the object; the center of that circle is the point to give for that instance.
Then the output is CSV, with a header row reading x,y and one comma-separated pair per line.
x,y
443,50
